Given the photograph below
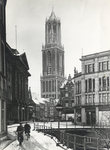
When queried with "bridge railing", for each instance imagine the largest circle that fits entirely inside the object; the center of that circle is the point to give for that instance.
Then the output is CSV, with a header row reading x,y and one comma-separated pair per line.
x,y
73,141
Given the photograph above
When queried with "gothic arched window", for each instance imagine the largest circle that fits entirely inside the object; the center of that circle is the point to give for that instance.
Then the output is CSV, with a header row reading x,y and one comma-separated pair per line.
x,y
48,63
53,60
49,27
44,61
49,58
54,27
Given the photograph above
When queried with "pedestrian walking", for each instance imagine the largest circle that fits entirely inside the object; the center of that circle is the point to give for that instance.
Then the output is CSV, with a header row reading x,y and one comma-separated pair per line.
x,y
27,128
20,131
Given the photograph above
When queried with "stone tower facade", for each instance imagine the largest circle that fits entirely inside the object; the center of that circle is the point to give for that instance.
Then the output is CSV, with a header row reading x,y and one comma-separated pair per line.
x,y
52,59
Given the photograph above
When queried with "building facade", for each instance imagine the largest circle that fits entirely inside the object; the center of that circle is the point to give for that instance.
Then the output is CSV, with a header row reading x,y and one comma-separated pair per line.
x,y
17,85
52,59
67,98
92,88
31,107
3,90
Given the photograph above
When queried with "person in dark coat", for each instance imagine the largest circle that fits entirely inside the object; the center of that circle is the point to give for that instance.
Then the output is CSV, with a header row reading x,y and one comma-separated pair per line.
x,y
20,131
27,128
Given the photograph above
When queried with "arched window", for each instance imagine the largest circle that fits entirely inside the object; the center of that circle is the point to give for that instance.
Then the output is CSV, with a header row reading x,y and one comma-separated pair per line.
x,y
53,60
54,27
49,62
49,58
49,27
44,61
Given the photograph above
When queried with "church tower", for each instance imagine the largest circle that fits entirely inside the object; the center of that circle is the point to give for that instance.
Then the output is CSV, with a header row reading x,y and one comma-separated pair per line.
x,y
52,59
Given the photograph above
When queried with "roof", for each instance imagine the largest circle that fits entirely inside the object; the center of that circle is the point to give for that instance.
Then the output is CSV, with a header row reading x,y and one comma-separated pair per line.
x,y
23,59
64,83
69,80
38,99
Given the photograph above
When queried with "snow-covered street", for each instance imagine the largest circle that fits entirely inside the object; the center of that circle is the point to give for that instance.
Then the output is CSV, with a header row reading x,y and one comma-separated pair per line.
x,y
37,141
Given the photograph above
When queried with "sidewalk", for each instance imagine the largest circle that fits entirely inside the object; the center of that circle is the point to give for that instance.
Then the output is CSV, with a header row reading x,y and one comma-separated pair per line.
x,y
9,139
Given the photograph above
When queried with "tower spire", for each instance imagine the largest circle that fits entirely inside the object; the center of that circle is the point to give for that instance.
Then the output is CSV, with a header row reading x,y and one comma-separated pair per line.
x,y
52,9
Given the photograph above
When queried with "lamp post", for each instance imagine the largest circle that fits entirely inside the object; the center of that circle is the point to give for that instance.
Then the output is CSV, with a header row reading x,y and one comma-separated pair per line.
x,y
59,108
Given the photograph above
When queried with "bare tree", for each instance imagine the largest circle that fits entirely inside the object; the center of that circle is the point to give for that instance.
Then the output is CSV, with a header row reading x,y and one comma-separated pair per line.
x,y
102,129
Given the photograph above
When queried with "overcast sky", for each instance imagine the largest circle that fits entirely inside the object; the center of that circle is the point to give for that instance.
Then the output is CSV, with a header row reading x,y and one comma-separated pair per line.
x,y
85,29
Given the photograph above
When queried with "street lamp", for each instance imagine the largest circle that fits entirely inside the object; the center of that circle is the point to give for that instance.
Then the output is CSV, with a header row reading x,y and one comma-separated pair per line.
x,y
59,108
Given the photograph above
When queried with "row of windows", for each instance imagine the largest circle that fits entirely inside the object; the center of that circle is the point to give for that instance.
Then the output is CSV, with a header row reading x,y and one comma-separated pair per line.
x,y
104,98
69,105
90,85
90,68
103,66
50,86
103,84
90,99
49,95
